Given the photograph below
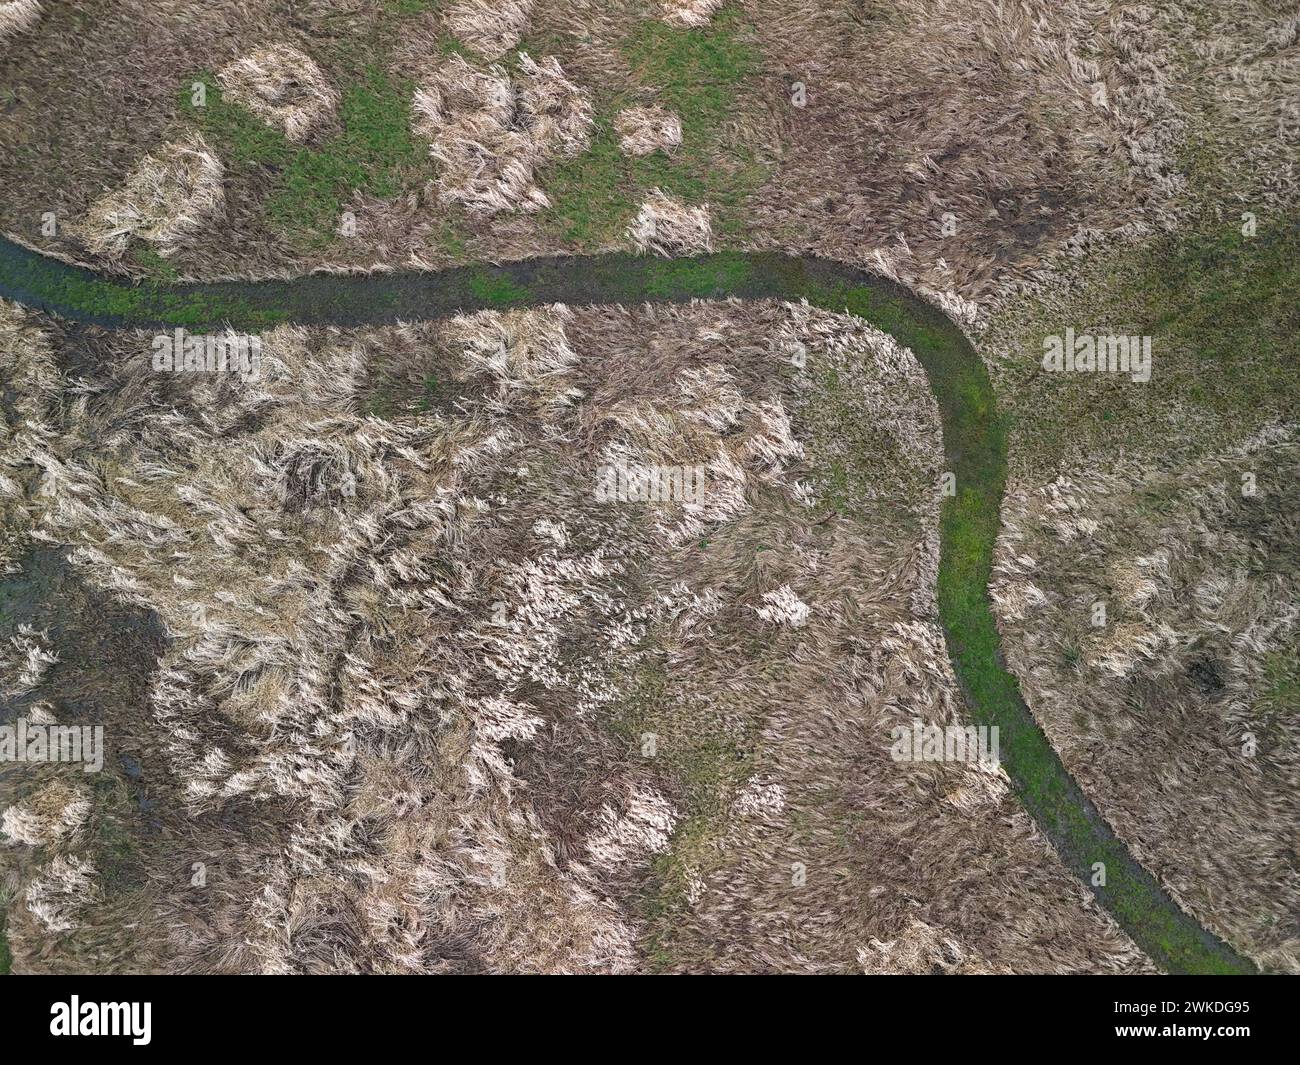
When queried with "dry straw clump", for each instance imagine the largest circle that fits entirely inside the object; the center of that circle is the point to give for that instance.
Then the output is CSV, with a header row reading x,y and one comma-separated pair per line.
x,y
18,16
51,813
282,85
490,27
24,660
690,12
556,112
1175,710
412,659
920,950
60,897
489,132
643,130
168,196
667,226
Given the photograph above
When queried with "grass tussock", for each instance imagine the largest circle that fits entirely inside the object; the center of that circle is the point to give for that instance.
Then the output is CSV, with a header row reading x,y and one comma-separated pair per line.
x,y
667,226
56,811
643,130
283,86
168,196
489,131
690,12
489,27
18,16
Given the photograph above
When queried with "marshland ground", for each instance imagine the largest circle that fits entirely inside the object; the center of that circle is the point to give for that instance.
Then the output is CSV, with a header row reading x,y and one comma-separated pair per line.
x,y
386,688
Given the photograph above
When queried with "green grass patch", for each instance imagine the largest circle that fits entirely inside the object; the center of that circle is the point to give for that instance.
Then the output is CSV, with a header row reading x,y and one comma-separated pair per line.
x,y
702,75
152,263
375,153
853,459
114,844
1221,310
699,73
716,276
496,290
1230,302
431,391
406,8
696,71
592,196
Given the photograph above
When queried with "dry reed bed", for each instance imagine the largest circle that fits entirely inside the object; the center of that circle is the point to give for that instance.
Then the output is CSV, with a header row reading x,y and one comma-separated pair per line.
x,y
398,717
964,145
1177,715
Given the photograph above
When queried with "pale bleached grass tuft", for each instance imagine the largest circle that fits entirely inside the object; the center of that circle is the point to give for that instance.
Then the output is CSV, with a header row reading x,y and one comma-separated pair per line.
x,y
643,130
667,226
18,16
690,12
64,890
168,196
282,86
783,607
489,132
489,27
640,830
24,660
53,812
557,113
919,949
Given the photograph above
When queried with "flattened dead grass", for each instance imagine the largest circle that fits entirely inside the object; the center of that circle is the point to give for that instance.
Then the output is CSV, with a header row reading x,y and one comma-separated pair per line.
x,y
412,661
1177,709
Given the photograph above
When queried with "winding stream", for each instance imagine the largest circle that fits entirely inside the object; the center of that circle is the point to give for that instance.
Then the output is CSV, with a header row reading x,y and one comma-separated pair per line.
x,y
974,438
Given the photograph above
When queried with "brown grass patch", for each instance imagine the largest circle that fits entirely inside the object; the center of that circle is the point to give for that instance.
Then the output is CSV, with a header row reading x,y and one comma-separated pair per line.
x,y
411,659
1180,714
